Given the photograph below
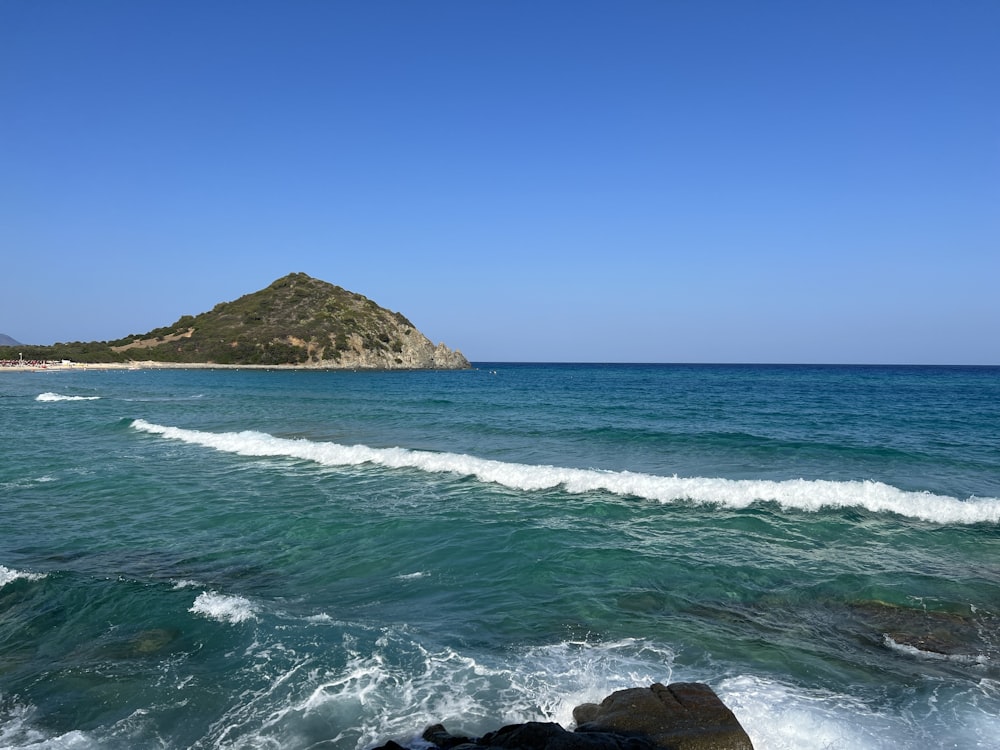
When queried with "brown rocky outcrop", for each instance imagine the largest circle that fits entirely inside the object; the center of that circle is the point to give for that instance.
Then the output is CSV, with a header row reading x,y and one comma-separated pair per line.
x,y
683,716
680,716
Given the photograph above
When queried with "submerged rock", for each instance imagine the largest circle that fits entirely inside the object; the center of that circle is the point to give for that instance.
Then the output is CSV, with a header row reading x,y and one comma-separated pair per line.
x,y
153,640
948,634
681,716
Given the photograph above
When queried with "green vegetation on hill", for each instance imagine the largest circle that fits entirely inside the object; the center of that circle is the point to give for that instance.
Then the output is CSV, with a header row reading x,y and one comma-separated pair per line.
x,y
77,351
295,320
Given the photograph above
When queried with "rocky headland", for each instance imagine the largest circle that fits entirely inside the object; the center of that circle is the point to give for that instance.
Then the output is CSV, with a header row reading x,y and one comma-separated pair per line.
x,y
297,321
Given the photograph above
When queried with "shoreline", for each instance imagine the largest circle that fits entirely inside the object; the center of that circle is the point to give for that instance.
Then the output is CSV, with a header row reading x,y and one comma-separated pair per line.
x,y
155,365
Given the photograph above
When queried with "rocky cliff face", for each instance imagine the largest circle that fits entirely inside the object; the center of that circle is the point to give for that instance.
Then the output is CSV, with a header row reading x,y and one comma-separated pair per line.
x,y
413,352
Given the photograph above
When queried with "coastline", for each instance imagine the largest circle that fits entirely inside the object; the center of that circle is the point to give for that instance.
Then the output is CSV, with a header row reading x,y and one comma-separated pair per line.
x,y
155,365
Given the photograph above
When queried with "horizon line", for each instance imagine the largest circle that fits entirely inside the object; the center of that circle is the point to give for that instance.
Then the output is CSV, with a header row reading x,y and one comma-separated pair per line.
x,y
721,363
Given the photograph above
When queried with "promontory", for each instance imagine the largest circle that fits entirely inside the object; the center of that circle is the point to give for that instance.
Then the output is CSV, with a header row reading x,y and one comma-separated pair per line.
x,y
296,321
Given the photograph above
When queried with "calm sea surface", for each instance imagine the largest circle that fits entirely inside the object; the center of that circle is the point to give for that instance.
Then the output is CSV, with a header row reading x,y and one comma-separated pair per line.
x,y
252,559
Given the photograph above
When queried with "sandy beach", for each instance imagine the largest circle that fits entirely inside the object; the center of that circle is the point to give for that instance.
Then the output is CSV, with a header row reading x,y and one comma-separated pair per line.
x,y
154,365
145,365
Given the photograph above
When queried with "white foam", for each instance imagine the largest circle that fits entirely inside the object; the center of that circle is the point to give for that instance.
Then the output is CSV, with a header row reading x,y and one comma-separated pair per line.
x,y
798,494
59,397
375,697
561,676
9,576
224,608
779,717
411,576
17,730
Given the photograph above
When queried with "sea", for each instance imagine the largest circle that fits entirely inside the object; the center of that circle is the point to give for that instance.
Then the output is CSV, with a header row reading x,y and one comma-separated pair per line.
x,y
332,559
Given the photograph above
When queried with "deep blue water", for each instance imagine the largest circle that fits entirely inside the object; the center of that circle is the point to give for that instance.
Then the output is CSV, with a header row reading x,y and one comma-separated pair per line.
x,y
302,559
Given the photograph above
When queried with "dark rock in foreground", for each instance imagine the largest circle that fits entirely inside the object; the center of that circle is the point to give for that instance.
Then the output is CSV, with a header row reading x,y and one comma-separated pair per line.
x,y
680,716
684,715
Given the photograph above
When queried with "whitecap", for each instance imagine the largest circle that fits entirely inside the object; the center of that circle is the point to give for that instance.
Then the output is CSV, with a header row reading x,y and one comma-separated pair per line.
x,y
49,396
322,617
224,608
793,494
7,575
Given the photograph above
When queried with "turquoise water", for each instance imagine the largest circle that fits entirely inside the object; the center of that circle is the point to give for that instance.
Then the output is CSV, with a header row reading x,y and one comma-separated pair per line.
x,y
251,559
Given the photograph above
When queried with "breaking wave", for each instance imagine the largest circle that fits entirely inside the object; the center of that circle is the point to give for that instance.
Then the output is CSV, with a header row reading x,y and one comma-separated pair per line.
x,y
49,396
8,575
223,608
798,494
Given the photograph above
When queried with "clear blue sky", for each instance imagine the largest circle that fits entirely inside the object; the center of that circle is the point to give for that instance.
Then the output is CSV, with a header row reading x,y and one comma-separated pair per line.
x,y
697,181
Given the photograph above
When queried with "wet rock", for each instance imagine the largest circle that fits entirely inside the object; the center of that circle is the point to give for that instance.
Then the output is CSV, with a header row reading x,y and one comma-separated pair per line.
x,y
934,632
681,716
535,735
440,737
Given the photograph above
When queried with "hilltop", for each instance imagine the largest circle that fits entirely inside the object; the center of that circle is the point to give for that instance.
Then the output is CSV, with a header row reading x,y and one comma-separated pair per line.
x,y
6,340
297,320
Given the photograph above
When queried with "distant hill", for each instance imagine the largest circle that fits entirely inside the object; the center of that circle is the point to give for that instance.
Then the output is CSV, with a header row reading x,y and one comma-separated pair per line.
x,y
6,340
296,320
